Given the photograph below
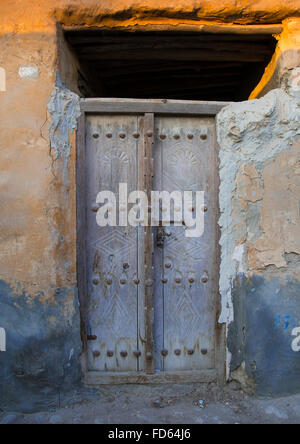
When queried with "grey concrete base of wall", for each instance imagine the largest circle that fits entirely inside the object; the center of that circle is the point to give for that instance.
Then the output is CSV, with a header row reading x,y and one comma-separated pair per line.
x,y
43,349
266,311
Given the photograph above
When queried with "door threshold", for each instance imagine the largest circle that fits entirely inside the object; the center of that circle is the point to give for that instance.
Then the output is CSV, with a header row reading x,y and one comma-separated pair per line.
x,y
105,378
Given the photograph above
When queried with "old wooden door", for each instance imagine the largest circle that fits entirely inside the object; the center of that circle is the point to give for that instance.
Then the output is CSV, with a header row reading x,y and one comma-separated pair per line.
x,y
151,292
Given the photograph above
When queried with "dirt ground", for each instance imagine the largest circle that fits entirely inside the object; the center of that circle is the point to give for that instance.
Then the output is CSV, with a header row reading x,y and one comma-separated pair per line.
x,y
164,404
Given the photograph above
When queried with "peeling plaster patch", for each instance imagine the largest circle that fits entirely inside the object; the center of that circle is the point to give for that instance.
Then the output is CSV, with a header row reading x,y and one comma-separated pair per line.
x,y
228,358
2,340
252,132
253,221
2,80
64,108
279,217
294,82
290,81
29,72
238,257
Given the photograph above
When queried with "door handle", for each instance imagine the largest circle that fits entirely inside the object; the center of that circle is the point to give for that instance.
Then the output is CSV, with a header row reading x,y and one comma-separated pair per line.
x,y
160,237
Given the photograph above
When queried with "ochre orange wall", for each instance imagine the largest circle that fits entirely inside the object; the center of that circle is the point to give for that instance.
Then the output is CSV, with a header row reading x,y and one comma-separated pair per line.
x,y
30,15
36,214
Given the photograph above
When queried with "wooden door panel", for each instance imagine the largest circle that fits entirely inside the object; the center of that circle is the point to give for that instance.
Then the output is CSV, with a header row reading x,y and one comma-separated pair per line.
x,y
185,305
112,260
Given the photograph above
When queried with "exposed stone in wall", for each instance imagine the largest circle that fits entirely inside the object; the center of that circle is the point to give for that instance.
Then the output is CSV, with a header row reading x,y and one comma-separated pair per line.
x,y
240,375
260,222
29,72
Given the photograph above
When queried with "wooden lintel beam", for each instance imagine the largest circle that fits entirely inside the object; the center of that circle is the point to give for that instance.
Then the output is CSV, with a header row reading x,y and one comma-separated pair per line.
x,y
195,26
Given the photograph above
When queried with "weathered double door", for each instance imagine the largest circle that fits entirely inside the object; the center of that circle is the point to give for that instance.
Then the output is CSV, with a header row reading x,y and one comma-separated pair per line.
x,y
152,292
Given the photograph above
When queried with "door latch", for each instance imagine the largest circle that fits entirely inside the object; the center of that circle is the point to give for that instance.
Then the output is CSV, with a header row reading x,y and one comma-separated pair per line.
x,y
161,236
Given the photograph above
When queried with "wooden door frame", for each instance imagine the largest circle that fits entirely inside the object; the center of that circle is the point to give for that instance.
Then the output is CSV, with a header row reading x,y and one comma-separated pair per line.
x,y
138,107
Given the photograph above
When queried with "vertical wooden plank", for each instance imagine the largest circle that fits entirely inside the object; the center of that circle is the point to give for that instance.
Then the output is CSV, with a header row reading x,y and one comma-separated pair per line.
x,y
158,256
141,332
81,227
149,278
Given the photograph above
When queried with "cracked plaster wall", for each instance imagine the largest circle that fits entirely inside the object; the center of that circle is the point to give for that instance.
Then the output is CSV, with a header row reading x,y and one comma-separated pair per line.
x,y
38,288
39,307
260,223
